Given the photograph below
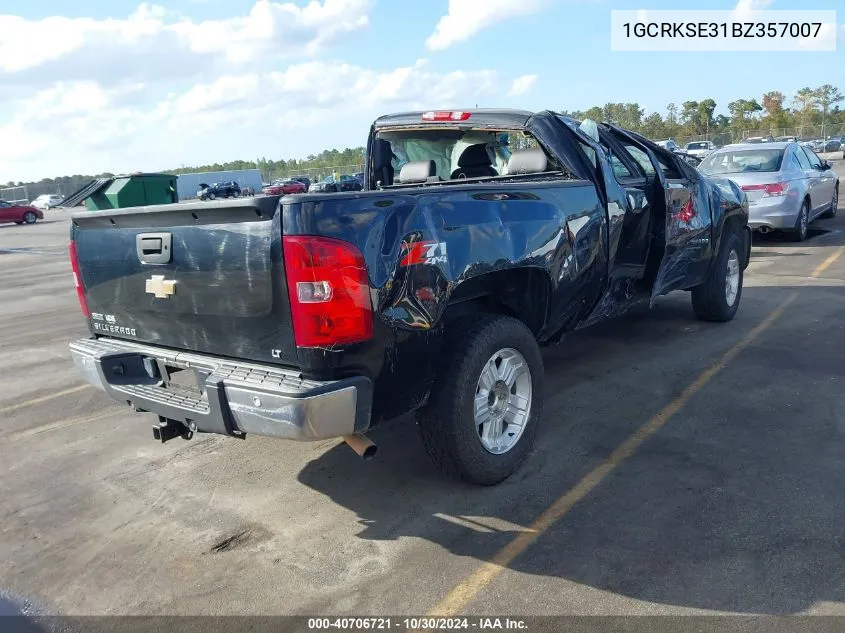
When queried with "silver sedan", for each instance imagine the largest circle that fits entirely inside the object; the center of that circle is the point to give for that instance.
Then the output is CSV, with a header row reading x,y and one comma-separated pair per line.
x,y
787,185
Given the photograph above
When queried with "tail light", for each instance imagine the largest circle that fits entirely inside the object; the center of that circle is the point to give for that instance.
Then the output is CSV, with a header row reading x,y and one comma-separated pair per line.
x,y
329,291
445,116
77,278
771,189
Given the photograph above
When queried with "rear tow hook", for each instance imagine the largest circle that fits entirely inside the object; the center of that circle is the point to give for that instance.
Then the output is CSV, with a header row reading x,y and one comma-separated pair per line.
x,y
168,429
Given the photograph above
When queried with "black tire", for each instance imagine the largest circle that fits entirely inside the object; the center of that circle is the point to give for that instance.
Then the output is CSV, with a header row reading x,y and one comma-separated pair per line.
x,y
447,423
799,231
236,193
710,300
212,196
29,218
834,205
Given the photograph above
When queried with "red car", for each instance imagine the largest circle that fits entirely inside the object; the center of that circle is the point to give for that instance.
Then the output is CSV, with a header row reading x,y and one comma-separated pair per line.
x,y
284,187
19,213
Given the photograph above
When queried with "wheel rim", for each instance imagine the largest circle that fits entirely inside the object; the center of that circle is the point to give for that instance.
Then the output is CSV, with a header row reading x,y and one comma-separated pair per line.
x,y
805,220
29,218
503,401
732,279
835,204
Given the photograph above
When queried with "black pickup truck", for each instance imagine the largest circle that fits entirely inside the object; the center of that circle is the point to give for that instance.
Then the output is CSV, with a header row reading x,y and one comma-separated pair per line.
x,y
479,236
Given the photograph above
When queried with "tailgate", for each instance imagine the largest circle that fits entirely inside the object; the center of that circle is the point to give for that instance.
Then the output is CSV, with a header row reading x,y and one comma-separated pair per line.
x,y
201,276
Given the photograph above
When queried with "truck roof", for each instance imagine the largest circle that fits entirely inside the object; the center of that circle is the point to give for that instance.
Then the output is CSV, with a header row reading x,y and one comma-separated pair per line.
x,y
478,117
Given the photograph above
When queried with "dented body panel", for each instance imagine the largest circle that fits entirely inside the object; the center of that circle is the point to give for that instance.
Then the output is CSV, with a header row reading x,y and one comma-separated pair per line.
x,y
558,252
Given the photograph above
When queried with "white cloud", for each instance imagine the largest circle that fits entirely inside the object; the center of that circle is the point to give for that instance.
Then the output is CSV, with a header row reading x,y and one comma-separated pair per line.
x,y
522,84
85,127
466,18
156,89
747,7
153,43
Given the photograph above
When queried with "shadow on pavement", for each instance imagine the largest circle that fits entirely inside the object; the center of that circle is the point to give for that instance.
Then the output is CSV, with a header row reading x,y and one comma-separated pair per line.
x,y
736,505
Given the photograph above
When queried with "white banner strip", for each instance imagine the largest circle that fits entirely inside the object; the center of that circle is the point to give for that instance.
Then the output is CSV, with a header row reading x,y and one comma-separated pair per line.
x,y
759,30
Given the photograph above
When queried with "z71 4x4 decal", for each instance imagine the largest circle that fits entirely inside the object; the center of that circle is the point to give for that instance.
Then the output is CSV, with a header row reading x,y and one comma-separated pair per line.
x,y
428,252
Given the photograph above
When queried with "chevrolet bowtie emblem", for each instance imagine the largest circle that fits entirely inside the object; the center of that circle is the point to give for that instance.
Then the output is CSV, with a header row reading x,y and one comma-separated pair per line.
x,y
160,287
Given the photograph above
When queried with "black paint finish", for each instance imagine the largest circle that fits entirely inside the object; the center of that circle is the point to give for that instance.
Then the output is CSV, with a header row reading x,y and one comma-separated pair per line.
x,y
560,252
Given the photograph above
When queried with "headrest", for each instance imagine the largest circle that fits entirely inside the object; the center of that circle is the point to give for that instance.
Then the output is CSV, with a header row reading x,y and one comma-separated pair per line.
x,y
475,155
528,161
417,171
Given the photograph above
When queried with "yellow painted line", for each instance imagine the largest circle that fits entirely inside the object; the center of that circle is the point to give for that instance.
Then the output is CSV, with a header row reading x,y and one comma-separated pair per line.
x,y
828,262
52,396
463,593
62,424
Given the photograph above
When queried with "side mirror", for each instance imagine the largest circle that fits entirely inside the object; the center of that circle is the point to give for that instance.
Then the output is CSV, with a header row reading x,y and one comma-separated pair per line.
x,y
824,166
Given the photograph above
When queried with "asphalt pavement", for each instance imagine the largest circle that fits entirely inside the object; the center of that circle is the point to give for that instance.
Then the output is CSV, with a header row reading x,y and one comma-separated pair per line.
x,y
682,467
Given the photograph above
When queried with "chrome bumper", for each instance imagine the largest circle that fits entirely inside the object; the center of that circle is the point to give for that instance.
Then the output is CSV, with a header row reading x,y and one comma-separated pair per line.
x,y
233,398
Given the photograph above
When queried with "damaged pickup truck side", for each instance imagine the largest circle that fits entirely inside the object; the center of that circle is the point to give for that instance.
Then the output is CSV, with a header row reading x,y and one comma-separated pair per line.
x,y
479,236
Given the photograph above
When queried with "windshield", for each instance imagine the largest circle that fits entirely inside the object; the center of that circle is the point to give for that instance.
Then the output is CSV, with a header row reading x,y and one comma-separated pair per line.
x,y
457,154
742,161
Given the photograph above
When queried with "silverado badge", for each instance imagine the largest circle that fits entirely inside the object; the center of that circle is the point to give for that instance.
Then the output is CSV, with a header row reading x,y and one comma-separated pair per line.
x,y
160,287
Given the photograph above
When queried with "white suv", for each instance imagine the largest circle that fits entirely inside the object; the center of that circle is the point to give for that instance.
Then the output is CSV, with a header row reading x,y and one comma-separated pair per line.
x,y
47,201
669,144
699,149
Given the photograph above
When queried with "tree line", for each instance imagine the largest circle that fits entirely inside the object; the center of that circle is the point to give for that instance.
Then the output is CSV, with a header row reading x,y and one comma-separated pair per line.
x,y
807,109
270,169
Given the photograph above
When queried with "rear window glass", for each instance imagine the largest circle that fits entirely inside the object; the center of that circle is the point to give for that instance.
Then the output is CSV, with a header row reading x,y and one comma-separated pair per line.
x,y
743,161
489,150
696,145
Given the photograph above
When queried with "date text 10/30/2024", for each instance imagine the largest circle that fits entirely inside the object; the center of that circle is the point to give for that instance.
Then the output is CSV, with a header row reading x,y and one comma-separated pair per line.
x,y
417,624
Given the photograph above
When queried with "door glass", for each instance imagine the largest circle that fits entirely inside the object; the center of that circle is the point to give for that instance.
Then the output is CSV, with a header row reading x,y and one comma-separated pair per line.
x,y
642,159
619,170
802,158
815,161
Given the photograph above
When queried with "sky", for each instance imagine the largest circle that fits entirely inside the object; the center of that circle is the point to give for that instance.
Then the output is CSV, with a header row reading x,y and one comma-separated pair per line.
x,y
123,86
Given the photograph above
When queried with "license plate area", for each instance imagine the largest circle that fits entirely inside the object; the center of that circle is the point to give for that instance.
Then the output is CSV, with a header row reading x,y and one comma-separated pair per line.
x,y
184,379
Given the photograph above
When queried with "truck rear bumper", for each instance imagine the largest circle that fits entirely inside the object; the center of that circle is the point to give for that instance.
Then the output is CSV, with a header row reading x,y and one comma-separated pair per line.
x,y
230,397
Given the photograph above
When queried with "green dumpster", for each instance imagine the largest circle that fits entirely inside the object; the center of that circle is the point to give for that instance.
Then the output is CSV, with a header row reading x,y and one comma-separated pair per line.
x,y
133,190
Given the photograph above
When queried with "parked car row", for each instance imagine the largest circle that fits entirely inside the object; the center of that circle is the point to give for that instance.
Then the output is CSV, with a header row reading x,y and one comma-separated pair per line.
x,y
47,201
19,213
346,182
229,189
284,187
787,184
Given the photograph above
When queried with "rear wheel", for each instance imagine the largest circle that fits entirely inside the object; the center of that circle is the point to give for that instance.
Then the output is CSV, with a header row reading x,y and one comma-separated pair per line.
x,y
485,406
717,299
212,196
29,217
802,223
236,193
834,205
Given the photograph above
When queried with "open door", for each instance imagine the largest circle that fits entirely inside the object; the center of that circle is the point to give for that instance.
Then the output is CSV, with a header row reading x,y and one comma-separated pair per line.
x,y
679,256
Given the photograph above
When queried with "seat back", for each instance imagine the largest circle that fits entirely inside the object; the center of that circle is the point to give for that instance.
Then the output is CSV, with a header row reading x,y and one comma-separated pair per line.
x,y
417,171
475,162
528,161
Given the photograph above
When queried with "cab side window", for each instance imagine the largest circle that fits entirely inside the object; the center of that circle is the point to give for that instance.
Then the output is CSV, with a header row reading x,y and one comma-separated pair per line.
x,y
620,171
803,160
815,161
642,159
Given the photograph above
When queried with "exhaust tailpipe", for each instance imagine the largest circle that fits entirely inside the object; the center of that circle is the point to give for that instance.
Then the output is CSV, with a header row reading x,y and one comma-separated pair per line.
x,y
765,229
362,445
